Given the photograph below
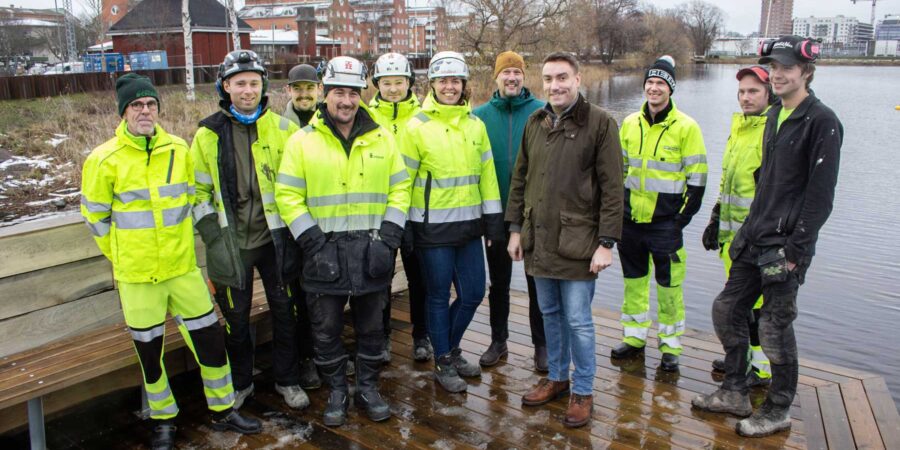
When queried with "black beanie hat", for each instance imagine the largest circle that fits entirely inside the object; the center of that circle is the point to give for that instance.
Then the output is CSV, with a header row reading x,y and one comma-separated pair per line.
x,y
130,87
663,68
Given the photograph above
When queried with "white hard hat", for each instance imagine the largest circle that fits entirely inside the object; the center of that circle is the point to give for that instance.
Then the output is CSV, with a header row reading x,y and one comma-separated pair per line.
x,y
345,71
448,64
392,64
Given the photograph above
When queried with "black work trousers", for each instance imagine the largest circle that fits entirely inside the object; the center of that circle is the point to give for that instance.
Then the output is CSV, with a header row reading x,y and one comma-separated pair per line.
x,y
304,329
235,305
412,268
326,314
500,273
731,314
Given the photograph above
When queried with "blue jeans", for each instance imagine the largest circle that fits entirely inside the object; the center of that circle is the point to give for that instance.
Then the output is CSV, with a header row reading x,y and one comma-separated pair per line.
x,y
462,266
569,327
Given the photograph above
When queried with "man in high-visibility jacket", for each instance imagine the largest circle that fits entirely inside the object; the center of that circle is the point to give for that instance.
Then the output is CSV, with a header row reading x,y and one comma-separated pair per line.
x,y
236,154
665,177
136,195
740,168
343,190
392,107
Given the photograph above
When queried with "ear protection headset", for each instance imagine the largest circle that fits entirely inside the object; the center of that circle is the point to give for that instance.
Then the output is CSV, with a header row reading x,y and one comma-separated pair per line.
x,y
806,50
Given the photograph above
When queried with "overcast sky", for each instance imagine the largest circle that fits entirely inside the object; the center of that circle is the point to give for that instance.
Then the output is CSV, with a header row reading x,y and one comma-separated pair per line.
x,y
743,15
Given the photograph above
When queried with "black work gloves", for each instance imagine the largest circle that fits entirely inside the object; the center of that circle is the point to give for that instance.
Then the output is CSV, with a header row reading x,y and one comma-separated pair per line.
x,y
710,237
391,234
209,229
311,241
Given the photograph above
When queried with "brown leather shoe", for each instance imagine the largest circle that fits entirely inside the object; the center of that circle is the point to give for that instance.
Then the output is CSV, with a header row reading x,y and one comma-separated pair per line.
x,y
579,411
545,391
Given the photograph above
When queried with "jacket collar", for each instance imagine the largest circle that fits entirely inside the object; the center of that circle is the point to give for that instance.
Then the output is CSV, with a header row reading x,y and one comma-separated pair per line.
x,y
452,114
404,108
667,113
579,113
511,103
291,113
799,111
159,139
362,124
754,120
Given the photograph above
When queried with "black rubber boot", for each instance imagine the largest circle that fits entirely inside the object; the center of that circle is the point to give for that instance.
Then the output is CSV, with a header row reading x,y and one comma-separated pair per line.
x,y
367,395
234,421
335,375
624,350
164,435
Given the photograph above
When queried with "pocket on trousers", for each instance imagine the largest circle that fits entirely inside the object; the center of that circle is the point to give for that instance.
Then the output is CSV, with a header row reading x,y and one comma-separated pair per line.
x,y
772,266
379,264
577,236
323,265
527,234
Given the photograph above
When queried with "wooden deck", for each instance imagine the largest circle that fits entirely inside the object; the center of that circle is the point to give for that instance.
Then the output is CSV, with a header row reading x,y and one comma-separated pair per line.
x,y
635,405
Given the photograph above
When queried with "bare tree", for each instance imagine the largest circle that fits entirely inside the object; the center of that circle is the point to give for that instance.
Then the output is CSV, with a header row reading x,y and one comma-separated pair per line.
x,y
703,21
188,49
664,34
499,25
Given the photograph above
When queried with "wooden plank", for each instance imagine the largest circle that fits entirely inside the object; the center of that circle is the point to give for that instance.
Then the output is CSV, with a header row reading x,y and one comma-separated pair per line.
x,y
885,411
862,421
33,248
49,324
834,417
813,427
39,289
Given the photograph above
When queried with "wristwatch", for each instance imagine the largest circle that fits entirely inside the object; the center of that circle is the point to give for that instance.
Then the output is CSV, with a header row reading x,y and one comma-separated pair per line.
x,y
607,242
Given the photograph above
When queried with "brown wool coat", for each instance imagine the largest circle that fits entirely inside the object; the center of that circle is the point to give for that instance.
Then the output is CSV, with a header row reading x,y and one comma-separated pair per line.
x,y
567,190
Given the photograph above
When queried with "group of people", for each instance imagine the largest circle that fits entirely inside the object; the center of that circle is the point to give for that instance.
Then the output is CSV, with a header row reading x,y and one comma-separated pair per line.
x,y
319,201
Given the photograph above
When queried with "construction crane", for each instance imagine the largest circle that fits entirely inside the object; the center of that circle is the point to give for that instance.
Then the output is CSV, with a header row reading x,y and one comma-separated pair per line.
x,y
872,20
69,16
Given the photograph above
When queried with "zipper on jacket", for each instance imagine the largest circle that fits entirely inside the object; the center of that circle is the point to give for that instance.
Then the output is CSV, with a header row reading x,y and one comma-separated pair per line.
x,y
427,198
509,144
253,179
658,140
147,149
171,163
396,110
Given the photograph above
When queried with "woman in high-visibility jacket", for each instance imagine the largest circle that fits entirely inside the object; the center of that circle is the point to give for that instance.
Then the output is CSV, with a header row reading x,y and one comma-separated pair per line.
x,y
455,200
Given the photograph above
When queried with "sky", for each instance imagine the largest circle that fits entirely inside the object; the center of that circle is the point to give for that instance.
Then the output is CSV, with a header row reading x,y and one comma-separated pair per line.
x,y
742,15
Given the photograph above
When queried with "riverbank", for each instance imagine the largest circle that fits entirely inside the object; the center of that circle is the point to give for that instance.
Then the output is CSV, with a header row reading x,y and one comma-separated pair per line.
x,y
881,62
43,142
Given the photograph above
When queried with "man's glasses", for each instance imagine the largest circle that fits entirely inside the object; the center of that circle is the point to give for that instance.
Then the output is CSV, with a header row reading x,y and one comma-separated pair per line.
x,y
152,105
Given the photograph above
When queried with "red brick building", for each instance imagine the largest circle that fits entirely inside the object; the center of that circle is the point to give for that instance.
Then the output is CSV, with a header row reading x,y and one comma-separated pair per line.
x,y
156,25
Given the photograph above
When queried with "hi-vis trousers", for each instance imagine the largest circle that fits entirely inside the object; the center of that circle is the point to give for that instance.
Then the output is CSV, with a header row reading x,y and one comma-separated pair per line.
x,y
187,299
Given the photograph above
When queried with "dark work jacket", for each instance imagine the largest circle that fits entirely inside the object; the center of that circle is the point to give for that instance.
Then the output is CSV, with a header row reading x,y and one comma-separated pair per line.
x,y
567,191
286,250
797,179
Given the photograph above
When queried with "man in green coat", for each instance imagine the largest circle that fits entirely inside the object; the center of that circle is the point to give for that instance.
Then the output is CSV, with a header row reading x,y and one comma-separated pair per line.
x,y
505,116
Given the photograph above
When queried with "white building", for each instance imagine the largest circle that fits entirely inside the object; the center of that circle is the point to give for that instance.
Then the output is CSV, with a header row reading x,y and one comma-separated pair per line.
x,y
833,30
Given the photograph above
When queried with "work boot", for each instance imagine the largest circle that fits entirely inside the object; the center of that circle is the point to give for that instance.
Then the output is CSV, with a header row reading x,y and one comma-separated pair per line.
x,y
422,350
625,350
492,355
545,392
579,411
445,374
756,380
234,421
241,395
769,419
367,395
463,367
309,375
163,435
718,365
669,362
293,396
386,356
335,375
724,401
540,359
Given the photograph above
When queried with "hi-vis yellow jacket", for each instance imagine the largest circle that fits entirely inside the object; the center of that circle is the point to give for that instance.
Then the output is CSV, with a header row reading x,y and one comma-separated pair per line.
x,y
740,164
455,195
136,197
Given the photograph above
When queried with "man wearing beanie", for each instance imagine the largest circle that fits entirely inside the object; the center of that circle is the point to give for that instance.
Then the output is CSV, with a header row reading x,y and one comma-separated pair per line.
x,y
303,87
236,154
776,243
505,116
665,177
136,195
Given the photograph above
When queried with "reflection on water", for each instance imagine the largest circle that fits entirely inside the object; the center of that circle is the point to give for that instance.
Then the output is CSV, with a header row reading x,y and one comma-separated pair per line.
x,y
849,306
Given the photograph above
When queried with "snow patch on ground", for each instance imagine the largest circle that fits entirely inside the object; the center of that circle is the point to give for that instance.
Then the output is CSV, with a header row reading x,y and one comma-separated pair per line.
x,y
57,139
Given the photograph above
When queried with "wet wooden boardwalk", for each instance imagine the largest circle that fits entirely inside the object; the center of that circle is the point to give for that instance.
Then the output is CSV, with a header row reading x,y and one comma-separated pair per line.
x,y
636,406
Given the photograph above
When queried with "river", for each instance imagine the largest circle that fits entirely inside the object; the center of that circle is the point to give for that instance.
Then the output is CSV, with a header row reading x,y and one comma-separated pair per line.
x,y
850,303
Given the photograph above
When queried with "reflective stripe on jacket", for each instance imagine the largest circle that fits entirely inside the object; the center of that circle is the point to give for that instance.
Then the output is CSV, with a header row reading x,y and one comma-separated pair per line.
x,y
665,167
743,155
214,164
455,197
136,199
